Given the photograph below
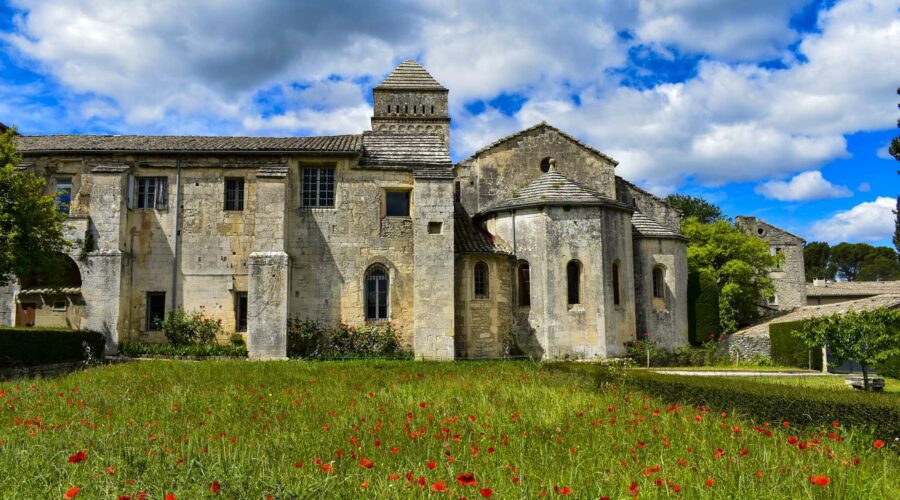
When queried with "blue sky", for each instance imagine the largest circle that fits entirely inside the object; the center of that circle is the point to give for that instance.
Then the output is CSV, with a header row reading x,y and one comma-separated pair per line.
x,y
776,108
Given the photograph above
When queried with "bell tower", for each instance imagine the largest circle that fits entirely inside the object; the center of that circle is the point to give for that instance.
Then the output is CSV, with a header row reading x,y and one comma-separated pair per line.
x,y
411,101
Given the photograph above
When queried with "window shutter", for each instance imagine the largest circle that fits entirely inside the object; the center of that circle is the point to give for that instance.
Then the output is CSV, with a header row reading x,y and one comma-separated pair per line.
x,y
130,197
162,194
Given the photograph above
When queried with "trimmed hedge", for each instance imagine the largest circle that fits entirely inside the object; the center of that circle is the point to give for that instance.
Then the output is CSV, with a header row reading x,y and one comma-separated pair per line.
x,y
138,349
703,307
787,350
773,402
37,346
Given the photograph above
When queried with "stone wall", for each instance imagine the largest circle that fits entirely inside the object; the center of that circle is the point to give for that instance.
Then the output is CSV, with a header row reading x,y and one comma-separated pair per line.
x,y
746,347
433,301
420,112
548,240
664,321
648,204
790,278
494,174
483,322
331,248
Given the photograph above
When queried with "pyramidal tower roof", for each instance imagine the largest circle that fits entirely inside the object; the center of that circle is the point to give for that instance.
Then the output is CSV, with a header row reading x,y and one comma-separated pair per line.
x,y
554,189
410,75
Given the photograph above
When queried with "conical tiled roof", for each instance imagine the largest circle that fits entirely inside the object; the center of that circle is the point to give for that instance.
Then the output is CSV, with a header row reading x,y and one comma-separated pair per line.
x,y
554,188
645,227
410,75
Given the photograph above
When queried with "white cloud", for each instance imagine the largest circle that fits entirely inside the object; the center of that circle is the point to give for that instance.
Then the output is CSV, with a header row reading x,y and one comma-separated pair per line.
x,y
871,221
864,187
803,187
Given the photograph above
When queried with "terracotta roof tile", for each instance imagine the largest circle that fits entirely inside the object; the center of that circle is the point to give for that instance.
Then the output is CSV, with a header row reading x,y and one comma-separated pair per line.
x,y
469,237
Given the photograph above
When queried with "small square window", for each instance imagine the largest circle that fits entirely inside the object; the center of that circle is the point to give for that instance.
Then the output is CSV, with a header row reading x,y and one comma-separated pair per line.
x,y
234,195
397,203
151,192
59,305
435,227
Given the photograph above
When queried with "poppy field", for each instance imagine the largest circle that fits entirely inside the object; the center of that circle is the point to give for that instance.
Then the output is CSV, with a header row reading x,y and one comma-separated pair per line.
x,y
237,429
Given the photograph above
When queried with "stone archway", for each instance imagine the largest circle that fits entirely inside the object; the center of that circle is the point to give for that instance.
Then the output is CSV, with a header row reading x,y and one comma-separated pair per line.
x,y
51,296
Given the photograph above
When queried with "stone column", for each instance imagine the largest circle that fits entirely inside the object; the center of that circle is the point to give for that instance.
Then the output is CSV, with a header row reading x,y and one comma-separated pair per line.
x,y
434,264
8,303
102,269
269,267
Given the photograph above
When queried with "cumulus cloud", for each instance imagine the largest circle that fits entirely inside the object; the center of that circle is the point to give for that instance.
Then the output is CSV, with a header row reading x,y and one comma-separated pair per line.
x,y
170,67
803,187
871,221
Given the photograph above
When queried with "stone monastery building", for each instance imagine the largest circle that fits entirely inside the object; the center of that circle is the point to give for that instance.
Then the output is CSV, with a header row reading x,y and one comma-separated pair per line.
x,y
533,237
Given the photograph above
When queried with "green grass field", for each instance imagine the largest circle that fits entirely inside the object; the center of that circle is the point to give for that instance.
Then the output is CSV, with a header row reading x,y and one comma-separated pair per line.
x,y
403,429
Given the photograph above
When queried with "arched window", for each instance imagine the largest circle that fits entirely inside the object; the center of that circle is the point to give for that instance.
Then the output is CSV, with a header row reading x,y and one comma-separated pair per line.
x,y
524,284
482,286
617,299
659,287
377,286
573,278
545,164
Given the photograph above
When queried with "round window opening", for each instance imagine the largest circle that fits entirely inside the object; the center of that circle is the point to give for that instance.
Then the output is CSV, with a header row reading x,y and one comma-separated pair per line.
x,y
545,164
760,231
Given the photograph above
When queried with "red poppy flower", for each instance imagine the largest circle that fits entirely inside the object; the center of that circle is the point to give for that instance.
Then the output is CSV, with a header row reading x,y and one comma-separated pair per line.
x,y
78,457
72,493
878,443
710,481
422,404
439,487
759,474
215,487
366,463
298,464
634,488
467,479
792,440
486,492
819,480
565,490
326,467
719,453
432,465
364,484
743,452
171,496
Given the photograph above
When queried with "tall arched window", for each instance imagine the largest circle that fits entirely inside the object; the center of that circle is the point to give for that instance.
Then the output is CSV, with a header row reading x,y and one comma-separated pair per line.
x,y
617,299
482,283
524,284
573,278
377,286
659,287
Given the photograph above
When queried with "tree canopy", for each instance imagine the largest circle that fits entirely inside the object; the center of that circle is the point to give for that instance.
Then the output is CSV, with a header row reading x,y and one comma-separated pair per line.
x,y
31,226
740,264
693,206
867,337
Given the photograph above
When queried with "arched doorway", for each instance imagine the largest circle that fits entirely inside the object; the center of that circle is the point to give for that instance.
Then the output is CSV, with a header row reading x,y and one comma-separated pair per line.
x,y
51,296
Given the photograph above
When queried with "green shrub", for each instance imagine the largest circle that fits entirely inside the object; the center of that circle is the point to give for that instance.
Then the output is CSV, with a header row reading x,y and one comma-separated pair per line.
x,y
787,350
183,328
773,402
237,340
703,307
890,368
139,349
309,339
304,338
32,346
705,354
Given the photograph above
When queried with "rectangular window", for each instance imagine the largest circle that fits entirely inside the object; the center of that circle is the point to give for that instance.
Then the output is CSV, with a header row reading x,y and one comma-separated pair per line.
x,y
318,187
152,192
240,311
156,310
64,194
397,203
234,194
59,305
524,285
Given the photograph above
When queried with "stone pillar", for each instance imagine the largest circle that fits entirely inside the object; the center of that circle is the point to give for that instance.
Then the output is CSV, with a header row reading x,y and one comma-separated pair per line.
x,y
433,301
8,303
269,267
102,271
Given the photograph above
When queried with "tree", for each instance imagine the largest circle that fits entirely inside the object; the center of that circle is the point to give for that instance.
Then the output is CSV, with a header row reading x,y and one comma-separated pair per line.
x,y
815,261
879,268
867,337
864,262
692,206
739,263
31,226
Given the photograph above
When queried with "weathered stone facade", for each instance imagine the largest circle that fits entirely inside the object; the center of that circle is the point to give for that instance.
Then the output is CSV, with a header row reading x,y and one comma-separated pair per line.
x,y
378,226
790,277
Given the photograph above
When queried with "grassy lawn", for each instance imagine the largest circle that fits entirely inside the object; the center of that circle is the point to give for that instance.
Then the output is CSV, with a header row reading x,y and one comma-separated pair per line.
x,y
891,385
402,429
